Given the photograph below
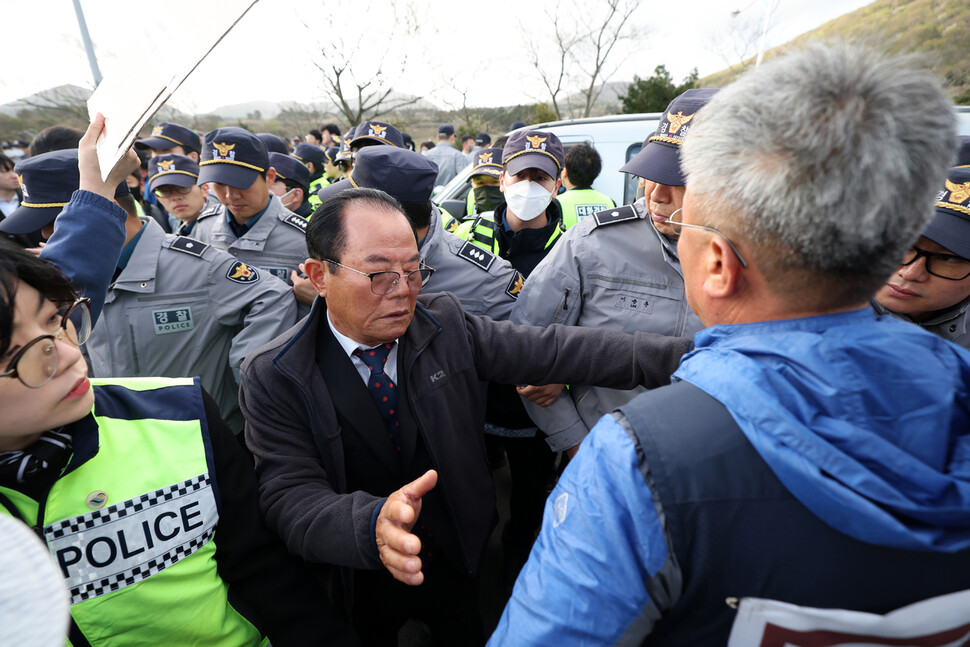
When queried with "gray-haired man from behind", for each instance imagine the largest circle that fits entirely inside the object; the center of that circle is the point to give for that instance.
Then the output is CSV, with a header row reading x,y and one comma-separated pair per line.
x,y
807,452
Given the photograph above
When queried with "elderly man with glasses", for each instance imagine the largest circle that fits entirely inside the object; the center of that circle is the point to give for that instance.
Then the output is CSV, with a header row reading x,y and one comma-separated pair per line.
x,y
366,419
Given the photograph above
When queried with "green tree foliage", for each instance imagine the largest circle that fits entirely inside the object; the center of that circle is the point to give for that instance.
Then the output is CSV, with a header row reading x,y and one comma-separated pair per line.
x,y
654,93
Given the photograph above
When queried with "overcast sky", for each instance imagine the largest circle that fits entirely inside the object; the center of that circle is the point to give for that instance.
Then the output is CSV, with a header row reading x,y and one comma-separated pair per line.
x,y
269,54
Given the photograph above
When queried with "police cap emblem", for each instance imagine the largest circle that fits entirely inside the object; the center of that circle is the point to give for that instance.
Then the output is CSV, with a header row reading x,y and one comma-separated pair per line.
x,y
958,192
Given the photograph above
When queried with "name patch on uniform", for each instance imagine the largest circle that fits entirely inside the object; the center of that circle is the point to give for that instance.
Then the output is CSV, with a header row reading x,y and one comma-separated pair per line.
x,y
609,216
281,273
299,222
189,246
174,320
515,286
476,255
632,302
242,273
584,210
114,547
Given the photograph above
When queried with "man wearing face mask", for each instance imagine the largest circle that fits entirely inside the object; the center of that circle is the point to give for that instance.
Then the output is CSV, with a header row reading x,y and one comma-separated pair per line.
x,y
615,269
522,230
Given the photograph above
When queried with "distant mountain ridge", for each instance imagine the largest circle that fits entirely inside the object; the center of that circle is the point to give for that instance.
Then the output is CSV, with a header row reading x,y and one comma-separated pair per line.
x,y
938,30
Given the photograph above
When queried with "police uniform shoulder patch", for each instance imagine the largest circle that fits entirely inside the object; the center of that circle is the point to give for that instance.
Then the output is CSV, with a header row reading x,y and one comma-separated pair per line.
x,y
515,285
210,211
610,216
239,272
295,221
189,246
476,255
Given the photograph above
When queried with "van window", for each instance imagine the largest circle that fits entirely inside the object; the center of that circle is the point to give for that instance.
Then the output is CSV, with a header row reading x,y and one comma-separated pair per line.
x,y
630,181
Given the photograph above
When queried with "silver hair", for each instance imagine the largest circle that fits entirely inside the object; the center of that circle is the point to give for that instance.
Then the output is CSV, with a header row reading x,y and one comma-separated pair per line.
x,y
826,159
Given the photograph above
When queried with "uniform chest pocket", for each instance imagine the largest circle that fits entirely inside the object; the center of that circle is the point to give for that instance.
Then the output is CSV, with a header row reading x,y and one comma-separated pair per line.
x,y
637,304
168,333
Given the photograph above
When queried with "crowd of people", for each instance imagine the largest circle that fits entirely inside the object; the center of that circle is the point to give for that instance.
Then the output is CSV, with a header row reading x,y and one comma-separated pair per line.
x,y
257,390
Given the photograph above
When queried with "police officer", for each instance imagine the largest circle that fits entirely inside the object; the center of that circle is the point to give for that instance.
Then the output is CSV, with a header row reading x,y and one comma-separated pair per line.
x,y
292,183
532,162
174,309
253,225
583,166
48,181
449,159
314,158
172,179
274,143
931,287
485,194
171,139
484,283
616,269
376,133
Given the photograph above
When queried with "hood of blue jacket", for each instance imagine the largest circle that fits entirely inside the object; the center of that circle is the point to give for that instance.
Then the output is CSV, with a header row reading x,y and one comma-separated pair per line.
x,y
865,419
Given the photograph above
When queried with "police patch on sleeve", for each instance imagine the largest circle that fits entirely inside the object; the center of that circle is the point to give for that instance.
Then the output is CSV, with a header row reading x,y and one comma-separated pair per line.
x,y
297,222
242,273
189,246
515,285
609,216
476,255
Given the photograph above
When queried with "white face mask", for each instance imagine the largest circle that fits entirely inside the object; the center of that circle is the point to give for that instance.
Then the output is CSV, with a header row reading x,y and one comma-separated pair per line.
x,y
527,199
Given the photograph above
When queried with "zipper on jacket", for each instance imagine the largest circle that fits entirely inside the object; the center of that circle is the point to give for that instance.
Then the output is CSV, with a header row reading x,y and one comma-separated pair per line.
x,y
565,296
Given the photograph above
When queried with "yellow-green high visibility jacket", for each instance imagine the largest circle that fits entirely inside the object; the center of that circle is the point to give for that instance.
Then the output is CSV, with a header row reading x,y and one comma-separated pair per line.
x,y
578,203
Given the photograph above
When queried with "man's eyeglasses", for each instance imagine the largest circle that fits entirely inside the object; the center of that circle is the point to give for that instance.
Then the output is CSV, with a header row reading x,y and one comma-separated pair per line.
x,y
382,283
36,363
945,266
171,189
676,224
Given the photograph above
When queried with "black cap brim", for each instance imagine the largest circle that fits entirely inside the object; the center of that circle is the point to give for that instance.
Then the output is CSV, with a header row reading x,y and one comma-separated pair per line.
x,y
657,162
158,143
238,177
540,161
26,220
172,179
951,231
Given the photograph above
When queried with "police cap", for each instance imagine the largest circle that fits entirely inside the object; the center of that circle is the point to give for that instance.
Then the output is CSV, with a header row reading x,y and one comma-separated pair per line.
x,y
406,175
232,156
659,159
533,149
166,135
274,143
309,153
167,170
377,131
47,181
290,169
488,161
951,226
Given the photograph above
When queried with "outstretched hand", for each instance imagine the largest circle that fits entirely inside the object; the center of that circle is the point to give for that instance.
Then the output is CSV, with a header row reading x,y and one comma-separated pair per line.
x,y
397,546
90,169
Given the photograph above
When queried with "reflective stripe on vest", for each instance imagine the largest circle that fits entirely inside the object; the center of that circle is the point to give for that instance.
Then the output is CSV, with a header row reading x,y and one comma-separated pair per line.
x,y
481,231
132,528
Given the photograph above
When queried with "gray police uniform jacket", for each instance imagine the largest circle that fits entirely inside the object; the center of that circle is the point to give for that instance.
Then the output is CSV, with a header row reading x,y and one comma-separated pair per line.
x,y
276,243
449,159
950,324
612,270
484,283
175,310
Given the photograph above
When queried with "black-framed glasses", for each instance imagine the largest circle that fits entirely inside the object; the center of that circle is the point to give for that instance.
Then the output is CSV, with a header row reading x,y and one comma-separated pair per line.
x,y
170,189
382,283
36,363
945,266
677,224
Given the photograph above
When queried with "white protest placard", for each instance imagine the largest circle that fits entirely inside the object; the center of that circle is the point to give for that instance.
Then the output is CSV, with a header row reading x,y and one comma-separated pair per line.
x,y
128,101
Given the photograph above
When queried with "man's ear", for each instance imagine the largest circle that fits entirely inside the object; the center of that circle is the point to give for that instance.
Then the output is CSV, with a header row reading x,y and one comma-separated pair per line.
x,y
501,181
723,269
318,274
193,156
270,176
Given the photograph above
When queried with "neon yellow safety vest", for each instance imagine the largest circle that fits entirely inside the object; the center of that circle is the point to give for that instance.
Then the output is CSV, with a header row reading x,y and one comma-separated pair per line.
x,y
579,203
481,232
133,527
315,186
